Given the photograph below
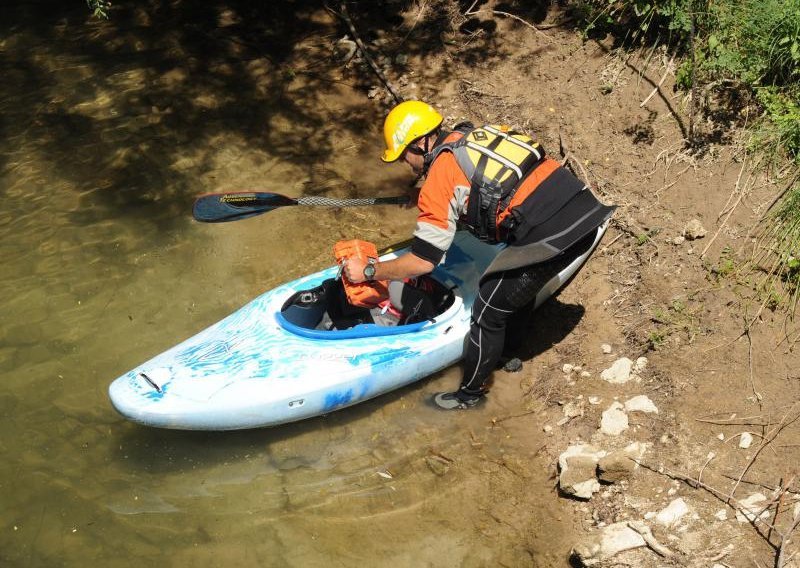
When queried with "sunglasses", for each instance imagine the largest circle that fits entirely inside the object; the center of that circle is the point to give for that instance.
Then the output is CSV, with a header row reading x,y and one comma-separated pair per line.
x,y
415,150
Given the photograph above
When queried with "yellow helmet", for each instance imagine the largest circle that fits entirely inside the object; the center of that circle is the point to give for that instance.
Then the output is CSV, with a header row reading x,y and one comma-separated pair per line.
x,y
405,123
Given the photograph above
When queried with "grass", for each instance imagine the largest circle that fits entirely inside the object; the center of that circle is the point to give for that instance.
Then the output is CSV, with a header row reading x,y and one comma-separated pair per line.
x,y
778,255
751,46
671,319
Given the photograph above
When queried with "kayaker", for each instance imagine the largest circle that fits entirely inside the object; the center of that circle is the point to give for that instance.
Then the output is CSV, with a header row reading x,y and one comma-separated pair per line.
x,y
498,184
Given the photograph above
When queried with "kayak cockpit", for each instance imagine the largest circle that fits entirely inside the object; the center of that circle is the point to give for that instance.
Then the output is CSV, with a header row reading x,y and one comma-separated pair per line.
x,y
323,312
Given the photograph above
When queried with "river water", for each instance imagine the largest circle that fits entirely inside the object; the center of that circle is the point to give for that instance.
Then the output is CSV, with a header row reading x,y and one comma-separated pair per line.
x,y
109,129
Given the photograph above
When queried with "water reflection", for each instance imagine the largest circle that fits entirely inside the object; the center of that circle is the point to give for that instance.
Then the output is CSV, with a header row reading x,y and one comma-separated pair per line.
x,y
109,129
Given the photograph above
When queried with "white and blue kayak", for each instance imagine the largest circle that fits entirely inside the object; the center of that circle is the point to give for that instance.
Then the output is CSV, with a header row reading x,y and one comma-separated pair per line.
x,y
281,358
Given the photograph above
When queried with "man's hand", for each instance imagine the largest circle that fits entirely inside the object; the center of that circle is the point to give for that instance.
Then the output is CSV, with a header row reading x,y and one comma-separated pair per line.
x,y
407,265
354,269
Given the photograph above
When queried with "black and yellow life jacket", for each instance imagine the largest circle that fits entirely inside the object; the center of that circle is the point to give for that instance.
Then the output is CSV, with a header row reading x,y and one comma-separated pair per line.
x,y
557,211
496,160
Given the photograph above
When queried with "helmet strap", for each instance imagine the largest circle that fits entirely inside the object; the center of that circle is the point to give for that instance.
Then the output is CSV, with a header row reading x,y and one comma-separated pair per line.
x,y
439,135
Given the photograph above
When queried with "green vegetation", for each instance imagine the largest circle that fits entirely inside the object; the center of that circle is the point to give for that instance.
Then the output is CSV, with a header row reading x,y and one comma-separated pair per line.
x,y
99,7
749,48
753,44
779,255
726,265
677,317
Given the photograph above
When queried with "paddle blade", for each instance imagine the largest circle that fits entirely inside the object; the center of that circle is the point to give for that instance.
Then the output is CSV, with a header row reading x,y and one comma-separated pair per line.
x,y
221,207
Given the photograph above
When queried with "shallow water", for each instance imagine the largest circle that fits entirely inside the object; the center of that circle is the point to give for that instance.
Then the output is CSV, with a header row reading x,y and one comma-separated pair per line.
x,y
109,131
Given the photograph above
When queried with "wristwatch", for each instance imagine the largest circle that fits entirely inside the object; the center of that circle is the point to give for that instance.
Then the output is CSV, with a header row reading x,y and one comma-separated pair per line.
x,y
369,270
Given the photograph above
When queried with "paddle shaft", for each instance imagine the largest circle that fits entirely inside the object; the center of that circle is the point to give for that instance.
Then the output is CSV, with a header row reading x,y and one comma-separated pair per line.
x,y
223,207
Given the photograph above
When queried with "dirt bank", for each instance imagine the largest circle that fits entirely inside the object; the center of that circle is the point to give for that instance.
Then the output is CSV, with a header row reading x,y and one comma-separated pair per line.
x,y
659,287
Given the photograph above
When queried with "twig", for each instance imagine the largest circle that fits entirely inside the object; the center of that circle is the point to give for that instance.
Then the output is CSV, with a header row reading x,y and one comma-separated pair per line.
x,y
346,17
771,436
778,503
661,82
711,456
649,539
779,196
734,503
757,394
605,248
507,15
764,485
731,423
693,76
785,538
719,556
730,212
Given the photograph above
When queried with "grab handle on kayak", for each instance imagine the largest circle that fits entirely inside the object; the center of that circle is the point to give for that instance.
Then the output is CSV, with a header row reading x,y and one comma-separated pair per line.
x,y
150,381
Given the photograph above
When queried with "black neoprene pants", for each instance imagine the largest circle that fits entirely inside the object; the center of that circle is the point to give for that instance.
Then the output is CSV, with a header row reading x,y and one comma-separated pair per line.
x,y
501,295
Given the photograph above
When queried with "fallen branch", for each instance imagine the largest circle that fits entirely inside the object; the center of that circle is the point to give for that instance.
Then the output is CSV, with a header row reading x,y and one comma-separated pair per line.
x,y
661,82
346,17
695,483
778,197
650,540
785,539
764,443
761,484
740,422
470,12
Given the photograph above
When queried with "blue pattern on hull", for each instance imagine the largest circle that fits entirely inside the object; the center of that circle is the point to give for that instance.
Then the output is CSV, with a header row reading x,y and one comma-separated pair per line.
x,y
216,379
336,400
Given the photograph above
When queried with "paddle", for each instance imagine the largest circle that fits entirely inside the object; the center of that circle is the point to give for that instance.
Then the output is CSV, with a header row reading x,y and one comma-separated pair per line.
x,y
221,207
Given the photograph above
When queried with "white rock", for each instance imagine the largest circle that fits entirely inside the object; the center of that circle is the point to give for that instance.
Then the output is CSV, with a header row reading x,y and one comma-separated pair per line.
x,y
547,428
578,470
585,374
573,409
797,510
672,513
606,348
721,436
752,505
567,368
609,542
619,465
745,440
619,372
614,420
640,365
694,230
640,403
721,515
595,400
679,240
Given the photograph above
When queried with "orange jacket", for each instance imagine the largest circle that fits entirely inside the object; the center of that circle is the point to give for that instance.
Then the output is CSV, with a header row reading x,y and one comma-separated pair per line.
x,y
443,200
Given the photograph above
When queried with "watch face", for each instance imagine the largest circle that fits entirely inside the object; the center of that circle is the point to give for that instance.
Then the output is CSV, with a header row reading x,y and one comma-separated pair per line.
x,y
369,271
